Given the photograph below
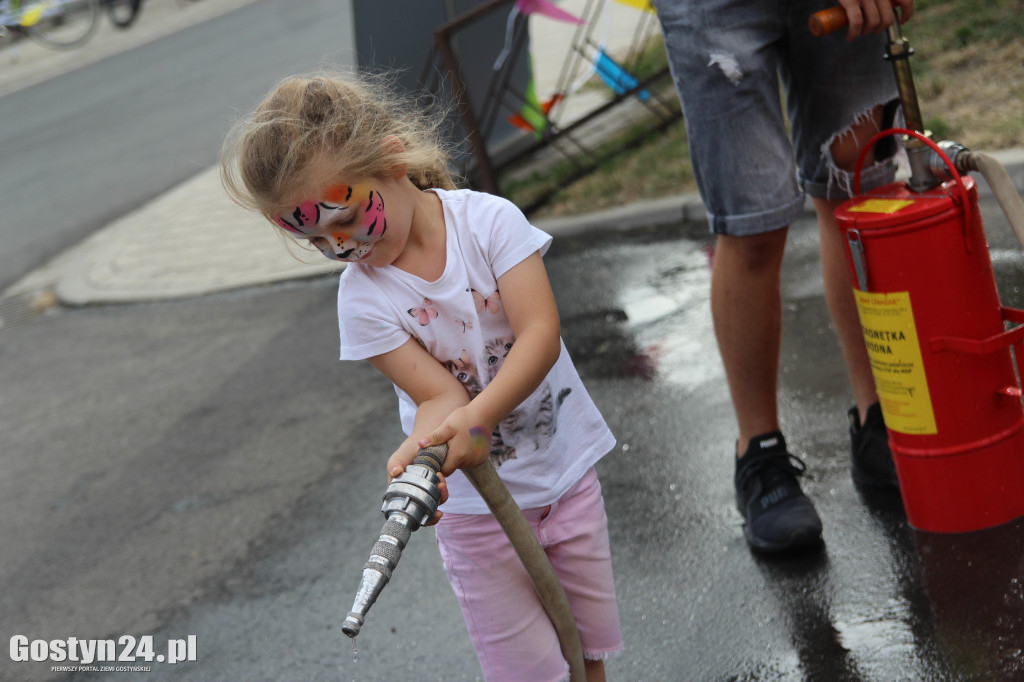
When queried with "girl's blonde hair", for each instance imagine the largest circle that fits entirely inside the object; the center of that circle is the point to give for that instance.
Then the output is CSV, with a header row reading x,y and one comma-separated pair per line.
x,y
343,120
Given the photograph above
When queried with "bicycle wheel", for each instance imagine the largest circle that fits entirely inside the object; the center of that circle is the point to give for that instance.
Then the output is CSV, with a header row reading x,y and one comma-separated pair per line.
x,y
64,24
122,13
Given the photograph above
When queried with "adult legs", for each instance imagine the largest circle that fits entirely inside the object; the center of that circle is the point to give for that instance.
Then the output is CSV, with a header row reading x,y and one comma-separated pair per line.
x,y
838,285
871,459
843,308
747,313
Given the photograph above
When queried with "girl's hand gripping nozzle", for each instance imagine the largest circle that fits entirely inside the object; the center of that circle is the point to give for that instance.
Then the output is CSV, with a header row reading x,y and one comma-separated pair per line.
x,y
409,502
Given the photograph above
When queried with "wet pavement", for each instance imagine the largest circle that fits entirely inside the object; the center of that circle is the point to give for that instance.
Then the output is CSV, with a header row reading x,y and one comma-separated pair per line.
x,y
188,479
880,602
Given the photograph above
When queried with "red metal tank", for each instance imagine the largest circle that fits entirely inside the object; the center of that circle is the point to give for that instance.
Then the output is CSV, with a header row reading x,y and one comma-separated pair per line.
x,y
940,352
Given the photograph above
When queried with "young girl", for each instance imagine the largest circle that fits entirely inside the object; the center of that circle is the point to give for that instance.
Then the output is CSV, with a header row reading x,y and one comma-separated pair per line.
x,y
446,294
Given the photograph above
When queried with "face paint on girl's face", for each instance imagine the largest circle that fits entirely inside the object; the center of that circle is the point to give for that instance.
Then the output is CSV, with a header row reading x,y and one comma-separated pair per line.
x,y
344,225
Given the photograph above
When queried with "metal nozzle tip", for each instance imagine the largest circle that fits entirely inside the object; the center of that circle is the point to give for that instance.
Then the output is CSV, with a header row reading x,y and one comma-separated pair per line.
x,y
353,623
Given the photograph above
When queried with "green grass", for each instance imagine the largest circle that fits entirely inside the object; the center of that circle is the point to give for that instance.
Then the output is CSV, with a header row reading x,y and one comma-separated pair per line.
x,y
960,23
941,129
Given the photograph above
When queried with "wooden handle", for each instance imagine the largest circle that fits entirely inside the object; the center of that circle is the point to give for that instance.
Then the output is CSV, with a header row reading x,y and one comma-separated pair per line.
x,y
828,21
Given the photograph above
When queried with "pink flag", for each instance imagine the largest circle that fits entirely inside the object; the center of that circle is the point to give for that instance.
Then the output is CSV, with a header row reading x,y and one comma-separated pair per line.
x,y
548,9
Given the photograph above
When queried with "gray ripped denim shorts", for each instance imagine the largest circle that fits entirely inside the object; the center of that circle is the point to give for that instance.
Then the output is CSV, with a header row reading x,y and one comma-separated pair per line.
x,y
728,58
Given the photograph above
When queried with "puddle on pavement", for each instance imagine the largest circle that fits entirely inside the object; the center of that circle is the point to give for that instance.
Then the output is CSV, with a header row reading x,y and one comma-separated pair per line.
x,y
956,613
975,588
644,304
880,642
659,325
669,315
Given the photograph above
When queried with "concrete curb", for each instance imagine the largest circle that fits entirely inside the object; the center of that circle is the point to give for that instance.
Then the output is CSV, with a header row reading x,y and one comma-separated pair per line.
x,y
167,249
689,208
178,247
664,211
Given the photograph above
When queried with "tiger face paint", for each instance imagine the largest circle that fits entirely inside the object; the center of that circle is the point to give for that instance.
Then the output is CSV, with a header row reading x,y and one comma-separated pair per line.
x,y
344,225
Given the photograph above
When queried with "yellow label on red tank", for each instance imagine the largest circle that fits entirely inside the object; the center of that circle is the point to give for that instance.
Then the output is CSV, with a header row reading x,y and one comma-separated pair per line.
x,y
880,205
887,320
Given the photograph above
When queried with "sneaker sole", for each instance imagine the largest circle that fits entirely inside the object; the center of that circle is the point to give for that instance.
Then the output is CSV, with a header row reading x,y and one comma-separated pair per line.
x,y
863,478
797,542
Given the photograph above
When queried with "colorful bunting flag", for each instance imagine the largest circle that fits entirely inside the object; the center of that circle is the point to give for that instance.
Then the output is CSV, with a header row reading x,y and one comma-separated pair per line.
x,y
645,5
616,77
548,9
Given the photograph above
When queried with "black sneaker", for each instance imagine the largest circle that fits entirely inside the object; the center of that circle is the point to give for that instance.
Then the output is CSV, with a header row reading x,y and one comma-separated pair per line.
x,y
778,515
870,456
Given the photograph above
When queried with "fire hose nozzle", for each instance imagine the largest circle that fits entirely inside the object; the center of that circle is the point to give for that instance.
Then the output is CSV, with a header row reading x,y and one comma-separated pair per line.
x,y
409,502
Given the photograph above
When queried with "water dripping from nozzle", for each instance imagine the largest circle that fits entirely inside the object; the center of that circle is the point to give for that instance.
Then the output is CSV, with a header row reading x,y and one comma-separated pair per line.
x,y
355,658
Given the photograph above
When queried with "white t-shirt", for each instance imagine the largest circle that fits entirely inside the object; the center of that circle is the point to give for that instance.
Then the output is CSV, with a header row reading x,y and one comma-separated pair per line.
x,y
550,440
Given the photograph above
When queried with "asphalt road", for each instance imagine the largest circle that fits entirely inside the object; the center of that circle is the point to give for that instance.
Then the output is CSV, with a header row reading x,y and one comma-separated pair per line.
x,y
84,148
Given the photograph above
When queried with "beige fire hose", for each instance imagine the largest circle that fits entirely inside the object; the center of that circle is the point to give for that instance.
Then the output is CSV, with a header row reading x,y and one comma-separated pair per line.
x,y
485,479
1001,185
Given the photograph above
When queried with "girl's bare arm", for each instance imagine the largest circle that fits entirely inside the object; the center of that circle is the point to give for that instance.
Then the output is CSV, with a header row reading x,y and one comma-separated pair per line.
x,y
530,306
434,390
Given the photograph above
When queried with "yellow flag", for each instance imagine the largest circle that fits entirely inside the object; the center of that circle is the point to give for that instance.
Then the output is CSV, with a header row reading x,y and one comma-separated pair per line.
x,y
639,4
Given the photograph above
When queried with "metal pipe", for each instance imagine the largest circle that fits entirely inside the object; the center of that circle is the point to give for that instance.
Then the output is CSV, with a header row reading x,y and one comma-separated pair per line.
x,y
898,51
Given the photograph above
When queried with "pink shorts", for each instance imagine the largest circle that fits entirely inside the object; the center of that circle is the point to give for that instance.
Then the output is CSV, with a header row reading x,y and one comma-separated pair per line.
x,y
511,632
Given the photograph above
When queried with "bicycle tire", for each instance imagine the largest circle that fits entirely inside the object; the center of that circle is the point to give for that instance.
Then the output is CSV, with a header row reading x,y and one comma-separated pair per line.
x,y
66,23
122,13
